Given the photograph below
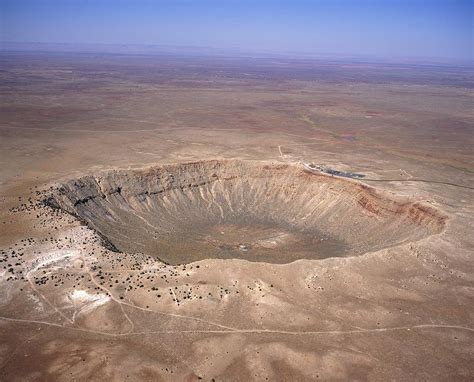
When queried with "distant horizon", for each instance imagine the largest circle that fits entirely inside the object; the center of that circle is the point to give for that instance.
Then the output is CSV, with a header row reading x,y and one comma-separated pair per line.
x,y
386,29
209,51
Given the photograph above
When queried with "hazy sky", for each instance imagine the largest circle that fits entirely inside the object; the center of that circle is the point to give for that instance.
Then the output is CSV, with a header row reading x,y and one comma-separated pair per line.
x,y
384,28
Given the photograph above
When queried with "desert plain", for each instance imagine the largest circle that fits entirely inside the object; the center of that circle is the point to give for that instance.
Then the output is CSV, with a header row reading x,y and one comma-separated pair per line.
x,y
165,217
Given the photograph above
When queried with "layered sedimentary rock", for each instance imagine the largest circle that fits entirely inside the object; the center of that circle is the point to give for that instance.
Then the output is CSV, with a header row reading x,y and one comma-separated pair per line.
x,y
257,211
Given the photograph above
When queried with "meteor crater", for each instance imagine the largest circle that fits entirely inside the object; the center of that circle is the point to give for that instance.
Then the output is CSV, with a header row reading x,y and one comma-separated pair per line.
x,y
249,210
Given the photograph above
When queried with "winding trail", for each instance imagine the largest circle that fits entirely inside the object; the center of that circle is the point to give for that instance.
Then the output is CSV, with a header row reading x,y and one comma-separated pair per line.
x,y
123,303
43,297
246,331
418,180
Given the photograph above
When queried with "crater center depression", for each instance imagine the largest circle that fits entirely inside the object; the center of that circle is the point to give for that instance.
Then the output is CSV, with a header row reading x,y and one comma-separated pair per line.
x,y
250,210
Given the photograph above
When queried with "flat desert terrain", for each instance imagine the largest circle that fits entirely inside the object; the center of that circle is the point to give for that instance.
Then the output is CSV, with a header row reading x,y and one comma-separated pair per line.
x,y
178,217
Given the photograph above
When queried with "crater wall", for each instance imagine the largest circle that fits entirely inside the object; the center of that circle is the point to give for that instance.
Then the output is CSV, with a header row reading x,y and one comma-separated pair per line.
x,y
258,211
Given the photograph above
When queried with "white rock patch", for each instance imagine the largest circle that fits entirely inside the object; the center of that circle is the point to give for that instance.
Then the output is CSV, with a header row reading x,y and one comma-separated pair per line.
x,y
85,302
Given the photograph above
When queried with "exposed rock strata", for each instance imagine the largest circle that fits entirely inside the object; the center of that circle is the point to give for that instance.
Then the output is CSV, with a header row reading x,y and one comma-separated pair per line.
x,y
257,211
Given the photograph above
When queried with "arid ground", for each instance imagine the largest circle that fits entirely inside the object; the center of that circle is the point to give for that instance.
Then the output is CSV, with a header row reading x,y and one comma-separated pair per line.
x,y
159,221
